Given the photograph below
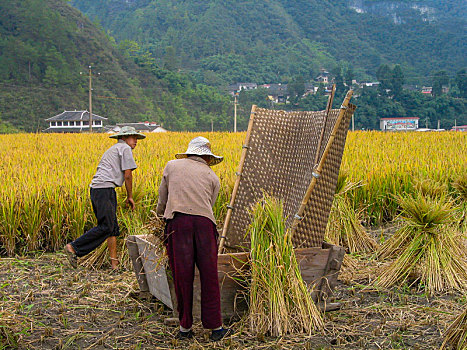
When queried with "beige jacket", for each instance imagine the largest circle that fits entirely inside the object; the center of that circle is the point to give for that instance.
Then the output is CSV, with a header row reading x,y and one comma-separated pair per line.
x,y
188,186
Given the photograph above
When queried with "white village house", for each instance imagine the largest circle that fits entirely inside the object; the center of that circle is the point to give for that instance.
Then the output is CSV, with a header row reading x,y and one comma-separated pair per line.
x,y
74,121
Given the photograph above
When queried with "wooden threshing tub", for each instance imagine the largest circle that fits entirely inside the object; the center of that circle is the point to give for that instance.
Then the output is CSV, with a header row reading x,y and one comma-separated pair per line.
x,y
319,268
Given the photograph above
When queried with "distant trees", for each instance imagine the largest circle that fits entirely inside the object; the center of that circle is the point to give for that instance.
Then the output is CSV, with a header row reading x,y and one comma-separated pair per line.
x,y
296,88
397,80
384,76
349,77
461,82
439,80
7,128
391,80
170,61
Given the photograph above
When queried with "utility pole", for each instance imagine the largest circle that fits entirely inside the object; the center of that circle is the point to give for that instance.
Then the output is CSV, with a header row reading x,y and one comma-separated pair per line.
x,y
235,112
438,124
353,123
90,98
90,95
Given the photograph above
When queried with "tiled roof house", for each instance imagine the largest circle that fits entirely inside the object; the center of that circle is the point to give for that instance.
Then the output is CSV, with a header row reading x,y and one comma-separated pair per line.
x,y
74,121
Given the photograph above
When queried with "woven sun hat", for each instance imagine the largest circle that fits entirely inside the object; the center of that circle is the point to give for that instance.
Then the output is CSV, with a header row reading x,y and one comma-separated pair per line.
x,y
200,146
128,131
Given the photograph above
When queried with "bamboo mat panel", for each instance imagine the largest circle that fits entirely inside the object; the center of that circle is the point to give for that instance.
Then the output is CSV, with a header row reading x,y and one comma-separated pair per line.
x,y
279,161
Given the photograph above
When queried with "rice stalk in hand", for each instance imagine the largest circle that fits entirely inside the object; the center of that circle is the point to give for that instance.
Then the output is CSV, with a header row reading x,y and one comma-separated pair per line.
x,y
344,226
426,249
279,301
456,335
155,226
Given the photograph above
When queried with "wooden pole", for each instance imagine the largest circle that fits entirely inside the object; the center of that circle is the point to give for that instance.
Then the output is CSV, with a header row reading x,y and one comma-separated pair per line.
x,y
237,181
317,171
328,109
90,99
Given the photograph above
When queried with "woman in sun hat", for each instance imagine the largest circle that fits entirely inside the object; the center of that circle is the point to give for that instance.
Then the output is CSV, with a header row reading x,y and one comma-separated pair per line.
x,y
114,169
187,193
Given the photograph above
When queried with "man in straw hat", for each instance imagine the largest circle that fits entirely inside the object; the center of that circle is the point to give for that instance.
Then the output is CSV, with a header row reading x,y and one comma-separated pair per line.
x,y
114,169
187,193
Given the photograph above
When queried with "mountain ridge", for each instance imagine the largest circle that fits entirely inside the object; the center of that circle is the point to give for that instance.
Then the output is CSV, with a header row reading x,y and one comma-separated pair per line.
x,y
272,41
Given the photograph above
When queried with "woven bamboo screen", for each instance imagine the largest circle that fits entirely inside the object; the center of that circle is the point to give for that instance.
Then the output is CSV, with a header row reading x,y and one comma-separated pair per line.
x,y
279,160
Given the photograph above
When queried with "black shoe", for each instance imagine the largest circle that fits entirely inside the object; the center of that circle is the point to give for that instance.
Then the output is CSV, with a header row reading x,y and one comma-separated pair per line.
x,y
219,334
184,335
72,258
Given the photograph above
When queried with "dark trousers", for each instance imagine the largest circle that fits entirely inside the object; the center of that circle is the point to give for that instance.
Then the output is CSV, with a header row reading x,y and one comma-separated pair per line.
x,y
191,240
104,205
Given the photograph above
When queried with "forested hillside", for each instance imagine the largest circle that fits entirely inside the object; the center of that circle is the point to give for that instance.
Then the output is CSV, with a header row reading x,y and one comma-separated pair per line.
x,y
45,44
170,61
273,41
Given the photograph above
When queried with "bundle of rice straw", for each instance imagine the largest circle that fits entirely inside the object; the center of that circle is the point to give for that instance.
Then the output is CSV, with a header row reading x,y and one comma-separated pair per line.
x,y
427,248
344,227
279,300
460,189
456,334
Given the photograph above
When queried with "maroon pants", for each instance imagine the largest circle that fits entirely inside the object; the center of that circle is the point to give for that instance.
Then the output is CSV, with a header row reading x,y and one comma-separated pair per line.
x,y
191,240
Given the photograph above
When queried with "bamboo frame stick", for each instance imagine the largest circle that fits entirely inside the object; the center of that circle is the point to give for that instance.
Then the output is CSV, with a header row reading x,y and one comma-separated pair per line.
x,y
237,181
317,171
328,109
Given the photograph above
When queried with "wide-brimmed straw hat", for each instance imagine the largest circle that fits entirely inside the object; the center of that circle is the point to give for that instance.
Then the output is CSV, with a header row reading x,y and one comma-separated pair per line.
x,y
200,146
128,131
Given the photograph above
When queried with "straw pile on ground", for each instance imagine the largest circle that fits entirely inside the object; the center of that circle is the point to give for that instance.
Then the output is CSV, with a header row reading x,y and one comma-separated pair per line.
x,y
344,226
456,335
428,248
279,300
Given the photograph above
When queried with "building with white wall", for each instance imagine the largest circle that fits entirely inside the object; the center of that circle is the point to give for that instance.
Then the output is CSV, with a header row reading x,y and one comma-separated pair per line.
x,y
399,124
75,121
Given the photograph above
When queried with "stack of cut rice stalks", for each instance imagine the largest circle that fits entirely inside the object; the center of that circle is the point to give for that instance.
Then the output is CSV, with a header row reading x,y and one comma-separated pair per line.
x,y
460,193
344,226
345,229
456,335
429,247
279,300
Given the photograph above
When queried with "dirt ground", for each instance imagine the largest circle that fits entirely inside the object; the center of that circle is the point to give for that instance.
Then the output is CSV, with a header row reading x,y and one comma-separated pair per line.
x,y
45,304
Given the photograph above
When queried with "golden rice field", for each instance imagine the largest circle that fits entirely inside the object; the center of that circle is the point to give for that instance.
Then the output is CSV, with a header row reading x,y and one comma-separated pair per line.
x,y
44,198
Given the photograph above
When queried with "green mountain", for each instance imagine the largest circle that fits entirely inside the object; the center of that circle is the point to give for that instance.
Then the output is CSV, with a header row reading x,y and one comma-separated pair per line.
x,y
45,44
222,41
164,61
